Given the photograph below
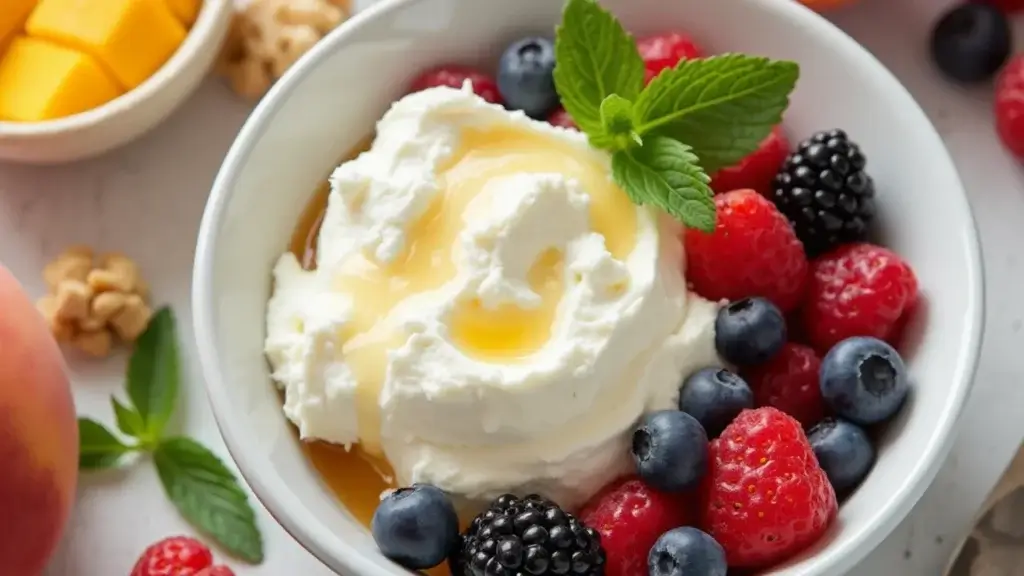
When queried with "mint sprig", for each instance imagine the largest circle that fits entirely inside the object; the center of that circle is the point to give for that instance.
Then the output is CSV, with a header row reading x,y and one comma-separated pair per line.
x,y
594,58
197,482
702,115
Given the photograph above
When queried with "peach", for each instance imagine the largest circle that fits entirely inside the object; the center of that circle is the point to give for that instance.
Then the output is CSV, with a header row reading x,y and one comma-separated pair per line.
x,y
38,435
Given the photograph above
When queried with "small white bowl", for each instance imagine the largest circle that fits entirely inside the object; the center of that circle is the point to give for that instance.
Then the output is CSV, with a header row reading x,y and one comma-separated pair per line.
x,y
127,117
331,99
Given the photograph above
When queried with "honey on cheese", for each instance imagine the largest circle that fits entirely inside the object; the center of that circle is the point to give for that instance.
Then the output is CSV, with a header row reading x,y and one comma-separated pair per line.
x,y
40,80
132,38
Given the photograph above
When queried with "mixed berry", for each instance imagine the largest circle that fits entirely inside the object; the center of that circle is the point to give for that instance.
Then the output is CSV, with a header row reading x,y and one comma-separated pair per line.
x,y
972,43
810,314
178,556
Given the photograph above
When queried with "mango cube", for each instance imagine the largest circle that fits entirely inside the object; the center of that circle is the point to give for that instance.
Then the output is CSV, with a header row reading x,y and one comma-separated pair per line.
x,y
12,16
185,10
40,81
132,38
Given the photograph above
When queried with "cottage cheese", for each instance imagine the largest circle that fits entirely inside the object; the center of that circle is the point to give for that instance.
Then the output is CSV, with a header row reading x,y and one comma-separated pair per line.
x,y
609,332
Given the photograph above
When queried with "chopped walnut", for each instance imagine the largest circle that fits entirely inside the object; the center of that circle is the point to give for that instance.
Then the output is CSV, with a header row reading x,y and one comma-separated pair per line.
x,y
73,264
268,36
132,319
96,343
93,300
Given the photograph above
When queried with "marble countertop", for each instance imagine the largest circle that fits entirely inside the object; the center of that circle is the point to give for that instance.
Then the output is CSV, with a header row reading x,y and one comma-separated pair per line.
x,y
147,200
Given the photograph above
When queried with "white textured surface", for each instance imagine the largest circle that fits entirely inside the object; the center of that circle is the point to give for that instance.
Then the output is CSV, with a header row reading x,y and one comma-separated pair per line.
x,y
147,201
556,423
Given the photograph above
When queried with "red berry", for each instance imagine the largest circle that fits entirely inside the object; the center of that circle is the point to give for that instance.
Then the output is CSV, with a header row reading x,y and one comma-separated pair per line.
x,y
665,51
217,571
1008,6
766,498
630,516
1009,106
857,290
756,171
175,556
789,382
752,252
454,76
561,118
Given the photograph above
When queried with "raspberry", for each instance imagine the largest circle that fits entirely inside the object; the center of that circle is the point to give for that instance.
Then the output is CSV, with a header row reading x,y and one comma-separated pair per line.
x,y
665,51
857,290
453,76
752,252
766,498
175,556
216,571
561,118
789,382
1009,106
630,516
757,170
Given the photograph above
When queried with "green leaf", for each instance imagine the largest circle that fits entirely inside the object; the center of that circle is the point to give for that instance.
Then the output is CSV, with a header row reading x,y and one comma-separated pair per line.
x,y
98,447
617,123
207,494
594,58
665,173
129,421
153,372
722,106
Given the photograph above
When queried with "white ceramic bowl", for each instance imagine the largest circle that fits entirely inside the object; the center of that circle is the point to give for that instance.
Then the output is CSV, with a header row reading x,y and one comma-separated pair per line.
x,y
129,116
331,99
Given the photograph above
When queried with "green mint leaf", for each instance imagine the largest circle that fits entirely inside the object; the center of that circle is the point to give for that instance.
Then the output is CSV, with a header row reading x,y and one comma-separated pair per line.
x,y
98,447
153,373
129,421
594,58
665,173
722,106
617,123
207,494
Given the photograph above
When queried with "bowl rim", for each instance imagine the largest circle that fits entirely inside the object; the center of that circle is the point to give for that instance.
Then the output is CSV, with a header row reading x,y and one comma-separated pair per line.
x,y
344,557
197,38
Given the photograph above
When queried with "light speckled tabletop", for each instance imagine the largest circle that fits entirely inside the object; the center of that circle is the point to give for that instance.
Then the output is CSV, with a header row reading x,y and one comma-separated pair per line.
x,y
147,200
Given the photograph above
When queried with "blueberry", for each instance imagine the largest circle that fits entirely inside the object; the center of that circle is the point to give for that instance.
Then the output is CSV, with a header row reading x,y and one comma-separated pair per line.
x,y
685,551
864,380
525,77
971,42
714,397
844,452
416,527
749,331
670,450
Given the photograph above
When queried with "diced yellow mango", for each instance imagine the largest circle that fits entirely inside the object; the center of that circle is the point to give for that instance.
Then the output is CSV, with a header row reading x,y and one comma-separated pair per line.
x,y
40,80
12,16
132,38
185,10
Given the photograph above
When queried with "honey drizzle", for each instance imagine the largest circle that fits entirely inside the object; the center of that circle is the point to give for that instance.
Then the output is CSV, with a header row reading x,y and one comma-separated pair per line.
x,y
356,479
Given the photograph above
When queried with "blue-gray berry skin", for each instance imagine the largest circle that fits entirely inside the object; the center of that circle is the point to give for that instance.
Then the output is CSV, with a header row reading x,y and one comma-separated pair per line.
x,y
416,527
844,452
864,380
749,331
715,396
971,42
526,77
686,552
670,450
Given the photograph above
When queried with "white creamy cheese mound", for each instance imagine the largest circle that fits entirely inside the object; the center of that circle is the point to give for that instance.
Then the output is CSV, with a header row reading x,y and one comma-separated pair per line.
x,y
557,422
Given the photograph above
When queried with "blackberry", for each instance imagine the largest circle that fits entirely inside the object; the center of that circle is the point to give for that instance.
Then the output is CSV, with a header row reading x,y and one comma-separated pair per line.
x,y
531,536
825,193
